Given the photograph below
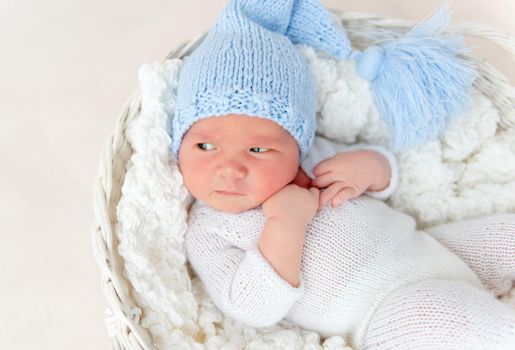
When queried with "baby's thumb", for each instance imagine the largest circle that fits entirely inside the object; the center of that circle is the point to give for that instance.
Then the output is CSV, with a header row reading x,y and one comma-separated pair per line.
x,y
315,191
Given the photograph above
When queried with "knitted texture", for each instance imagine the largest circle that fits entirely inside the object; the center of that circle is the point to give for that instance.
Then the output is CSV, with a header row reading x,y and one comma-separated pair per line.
x,y
248,64
152,212
354,255
487,245
441,315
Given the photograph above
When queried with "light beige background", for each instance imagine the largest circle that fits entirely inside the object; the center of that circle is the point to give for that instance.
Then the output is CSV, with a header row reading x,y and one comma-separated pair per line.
x,y
66,69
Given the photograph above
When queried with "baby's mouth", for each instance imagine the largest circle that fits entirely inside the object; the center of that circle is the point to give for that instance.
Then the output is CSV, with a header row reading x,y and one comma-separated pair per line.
x,y
229,193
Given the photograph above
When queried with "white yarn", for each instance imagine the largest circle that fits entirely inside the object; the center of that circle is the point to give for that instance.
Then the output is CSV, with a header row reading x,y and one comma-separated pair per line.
x,y
485,244
152,210
436,315
353,256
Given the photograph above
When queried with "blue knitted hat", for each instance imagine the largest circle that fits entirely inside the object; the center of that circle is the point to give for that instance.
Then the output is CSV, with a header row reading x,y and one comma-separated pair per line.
x,y
248,64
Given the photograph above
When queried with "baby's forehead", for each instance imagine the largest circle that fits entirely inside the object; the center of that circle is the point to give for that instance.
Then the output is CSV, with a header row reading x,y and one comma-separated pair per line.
x,y
239,126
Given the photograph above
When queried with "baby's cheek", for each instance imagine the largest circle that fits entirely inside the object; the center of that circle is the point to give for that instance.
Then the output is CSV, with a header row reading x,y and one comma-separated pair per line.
x,y
275,177
194,175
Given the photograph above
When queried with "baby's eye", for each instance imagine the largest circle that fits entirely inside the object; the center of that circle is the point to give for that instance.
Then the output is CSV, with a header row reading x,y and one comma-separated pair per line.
x,y
259,149
205,146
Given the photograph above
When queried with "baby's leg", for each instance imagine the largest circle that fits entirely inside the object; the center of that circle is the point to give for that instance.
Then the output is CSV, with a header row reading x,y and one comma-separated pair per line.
x,y
486,244
441,314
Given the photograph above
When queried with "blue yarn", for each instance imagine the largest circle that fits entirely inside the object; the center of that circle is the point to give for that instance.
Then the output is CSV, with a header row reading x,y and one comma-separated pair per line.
x,y
248,64
421,82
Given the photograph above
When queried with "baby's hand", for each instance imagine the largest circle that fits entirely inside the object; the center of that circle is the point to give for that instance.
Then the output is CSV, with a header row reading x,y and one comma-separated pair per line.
x,y
292,204
348,174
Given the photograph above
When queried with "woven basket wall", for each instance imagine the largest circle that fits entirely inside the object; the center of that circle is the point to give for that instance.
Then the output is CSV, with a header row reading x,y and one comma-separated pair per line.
x,y
122,314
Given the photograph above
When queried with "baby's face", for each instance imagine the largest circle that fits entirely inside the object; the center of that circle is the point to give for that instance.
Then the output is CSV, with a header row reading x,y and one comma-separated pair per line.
x,y
235,162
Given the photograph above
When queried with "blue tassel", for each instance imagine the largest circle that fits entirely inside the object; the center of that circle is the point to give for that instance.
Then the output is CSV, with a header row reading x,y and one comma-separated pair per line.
x,y
418,81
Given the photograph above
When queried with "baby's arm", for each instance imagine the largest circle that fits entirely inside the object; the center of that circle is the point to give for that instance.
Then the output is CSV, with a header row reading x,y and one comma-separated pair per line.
x,y
242,283
375,173
288,212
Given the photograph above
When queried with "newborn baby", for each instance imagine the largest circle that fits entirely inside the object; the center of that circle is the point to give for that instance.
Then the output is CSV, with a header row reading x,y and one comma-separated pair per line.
x,y
288,225
266,248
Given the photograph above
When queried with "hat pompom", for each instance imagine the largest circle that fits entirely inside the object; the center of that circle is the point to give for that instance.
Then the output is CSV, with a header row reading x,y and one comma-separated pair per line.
x,y
419,82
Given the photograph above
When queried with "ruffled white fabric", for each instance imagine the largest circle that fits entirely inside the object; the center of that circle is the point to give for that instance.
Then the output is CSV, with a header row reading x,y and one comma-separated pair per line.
x,y
468,172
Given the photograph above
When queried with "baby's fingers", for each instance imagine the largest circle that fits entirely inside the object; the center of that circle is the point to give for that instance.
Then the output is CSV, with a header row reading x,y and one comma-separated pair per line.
x,y
330,192
315,191
344,195
325,180
323,167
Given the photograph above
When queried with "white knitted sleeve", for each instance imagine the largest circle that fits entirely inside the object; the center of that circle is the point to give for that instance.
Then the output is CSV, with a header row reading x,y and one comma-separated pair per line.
x,y
323,148
241,283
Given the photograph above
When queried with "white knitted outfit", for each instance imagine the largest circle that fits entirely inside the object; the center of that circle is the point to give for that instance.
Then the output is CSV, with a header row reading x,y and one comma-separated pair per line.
x,y
441,315
356,257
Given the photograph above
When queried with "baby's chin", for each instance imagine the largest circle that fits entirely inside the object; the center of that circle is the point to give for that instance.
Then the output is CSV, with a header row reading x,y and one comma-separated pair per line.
x,y
232,204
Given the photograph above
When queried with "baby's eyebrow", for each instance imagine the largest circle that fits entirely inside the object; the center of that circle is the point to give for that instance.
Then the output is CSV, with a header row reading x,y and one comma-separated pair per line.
x,y
201,135
266,138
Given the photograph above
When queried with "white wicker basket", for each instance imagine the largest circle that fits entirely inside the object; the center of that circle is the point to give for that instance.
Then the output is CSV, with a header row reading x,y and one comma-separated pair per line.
x,y
122,314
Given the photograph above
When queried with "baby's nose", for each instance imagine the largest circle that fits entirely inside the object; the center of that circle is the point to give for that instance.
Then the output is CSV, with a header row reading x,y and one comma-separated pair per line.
x,y
232,169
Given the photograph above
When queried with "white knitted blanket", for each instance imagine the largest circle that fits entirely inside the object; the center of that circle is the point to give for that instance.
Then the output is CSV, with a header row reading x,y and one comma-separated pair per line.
x,y
468,172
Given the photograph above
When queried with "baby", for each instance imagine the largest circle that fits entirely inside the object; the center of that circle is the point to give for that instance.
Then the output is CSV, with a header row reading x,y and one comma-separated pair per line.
x,y
267,248
291,226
